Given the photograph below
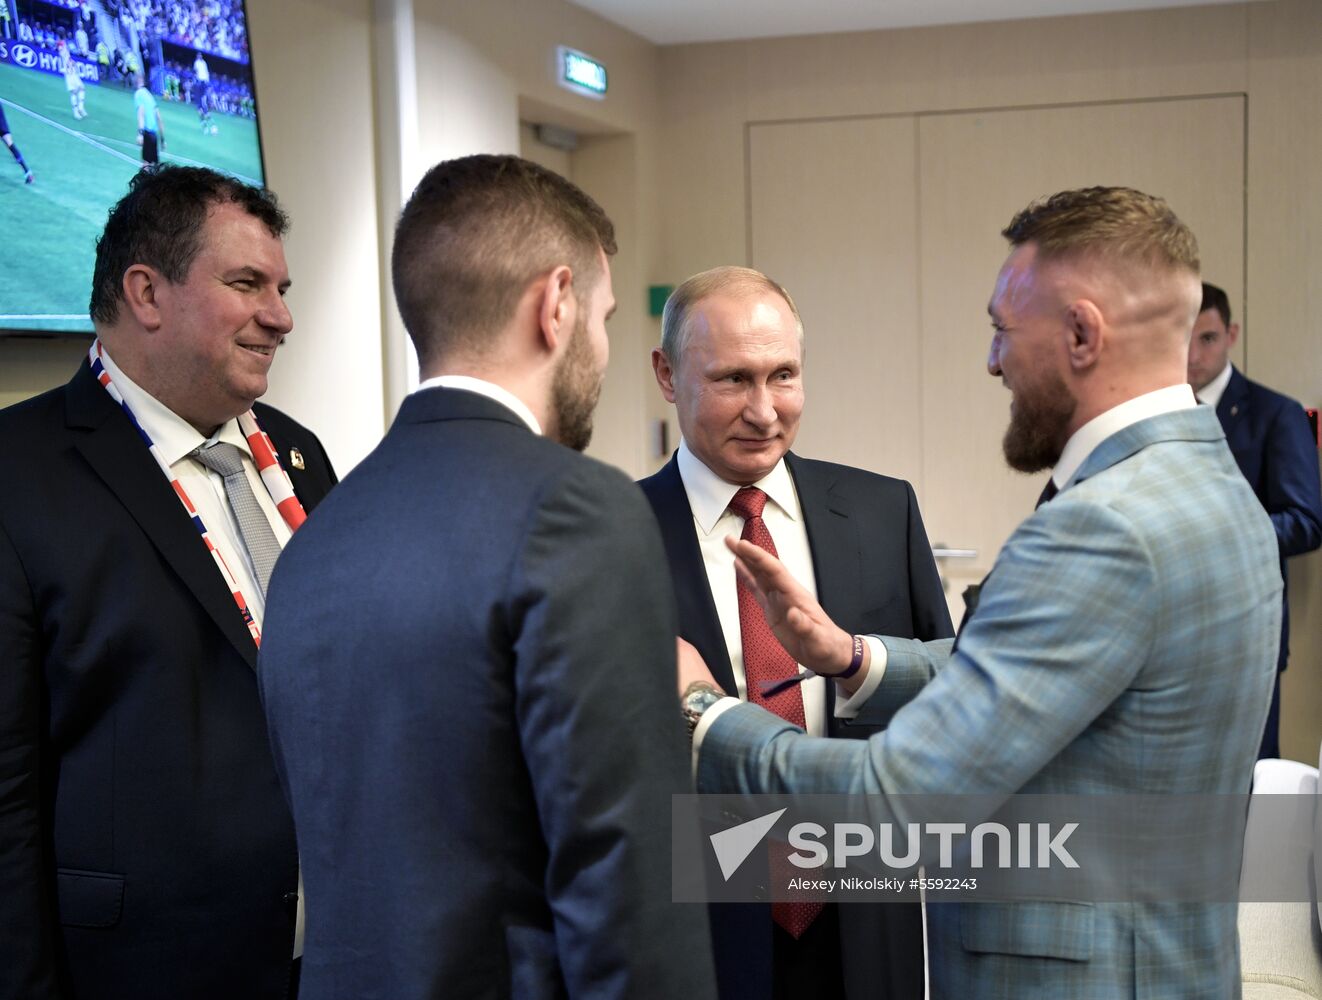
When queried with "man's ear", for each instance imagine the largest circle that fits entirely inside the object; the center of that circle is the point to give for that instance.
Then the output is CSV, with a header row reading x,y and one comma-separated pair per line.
x,y
556,307
142,286
1232,333
1085,324
665,374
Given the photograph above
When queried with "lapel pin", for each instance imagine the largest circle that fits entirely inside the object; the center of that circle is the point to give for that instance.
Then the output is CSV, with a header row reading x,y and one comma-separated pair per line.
x,y
296,459
1234,412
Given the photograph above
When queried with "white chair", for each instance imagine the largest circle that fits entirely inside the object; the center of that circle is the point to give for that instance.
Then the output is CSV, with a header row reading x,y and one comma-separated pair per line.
x,y
1280,943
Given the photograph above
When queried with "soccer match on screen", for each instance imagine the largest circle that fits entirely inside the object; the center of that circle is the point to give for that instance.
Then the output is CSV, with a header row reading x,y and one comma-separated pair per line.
x,y
92,91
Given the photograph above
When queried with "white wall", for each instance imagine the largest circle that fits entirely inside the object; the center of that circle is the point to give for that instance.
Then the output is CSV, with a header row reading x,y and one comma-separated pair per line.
x,y
314,92
1268,54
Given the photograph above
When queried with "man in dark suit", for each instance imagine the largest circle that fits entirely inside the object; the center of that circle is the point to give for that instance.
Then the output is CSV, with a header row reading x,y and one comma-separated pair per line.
x,y
469,699
731,361
146,850
1273,445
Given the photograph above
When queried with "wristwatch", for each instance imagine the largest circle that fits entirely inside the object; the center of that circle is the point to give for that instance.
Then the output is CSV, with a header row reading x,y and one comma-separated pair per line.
x,y
697,698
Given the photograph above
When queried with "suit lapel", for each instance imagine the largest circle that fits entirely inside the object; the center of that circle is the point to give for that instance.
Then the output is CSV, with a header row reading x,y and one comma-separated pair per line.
x,y
698,621
833,541
108,442
1233,409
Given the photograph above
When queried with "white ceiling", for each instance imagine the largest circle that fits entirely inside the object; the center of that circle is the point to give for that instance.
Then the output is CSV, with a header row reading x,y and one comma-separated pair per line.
x,y
668,22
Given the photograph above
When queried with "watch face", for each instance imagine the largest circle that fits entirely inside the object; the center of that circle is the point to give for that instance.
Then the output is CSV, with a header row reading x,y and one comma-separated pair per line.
x,y
699,701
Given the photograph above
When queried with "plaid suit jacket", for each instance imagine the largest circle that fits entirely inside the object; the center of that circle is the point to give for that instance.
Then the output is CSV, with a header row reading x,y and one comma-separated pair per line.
x,y
1125,642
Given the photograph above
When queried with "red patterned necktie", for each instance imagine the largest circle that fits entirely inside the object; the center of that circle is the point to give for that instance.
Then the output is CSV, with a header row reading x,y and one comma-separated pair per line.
x,y
766,661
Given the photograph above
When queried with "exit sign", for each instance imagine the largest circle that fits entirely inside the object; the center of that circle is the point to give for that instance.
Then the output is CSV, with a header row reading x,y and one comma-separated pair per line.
x,y
580,73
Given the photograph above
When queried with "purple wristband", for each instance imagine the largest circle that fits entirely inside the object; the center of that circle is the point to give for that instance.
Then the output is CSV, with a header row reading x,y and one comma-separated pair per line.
x,y
854,663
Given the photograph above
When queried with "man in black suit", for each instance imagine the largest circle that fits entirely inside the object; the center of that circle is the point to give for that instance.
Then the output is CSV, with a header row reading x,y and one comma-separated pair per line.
x,y
1273,445
468,673
730,360
146,850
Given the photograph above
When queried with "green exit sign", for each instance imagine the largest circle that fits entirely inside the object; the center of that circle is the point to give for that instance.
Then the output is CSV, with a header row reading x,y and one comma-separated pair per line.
x,y
580,73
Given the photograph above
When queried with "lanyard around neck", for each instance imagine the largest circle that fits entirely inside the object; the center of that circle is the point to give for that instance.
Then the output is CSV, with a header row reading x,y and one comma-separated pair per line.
x,y
273,477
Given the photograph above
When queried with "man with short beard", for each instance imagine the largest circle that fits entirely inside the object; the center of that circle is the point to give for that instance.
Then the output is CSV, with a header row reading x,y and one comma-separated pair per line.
x,y
467,670
1125,641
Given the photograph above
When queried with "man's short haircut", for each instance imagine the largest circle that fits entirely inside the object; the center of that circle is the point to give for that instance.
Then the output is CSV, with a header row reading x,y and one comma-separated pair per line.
x,y
728,280
474,234
159,223
1117,224
1216,298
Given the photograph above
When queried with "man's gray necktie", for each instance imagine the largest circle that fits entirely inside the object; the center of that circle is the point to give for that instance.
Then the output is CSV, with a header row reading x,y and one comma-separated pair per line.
x,y
258,538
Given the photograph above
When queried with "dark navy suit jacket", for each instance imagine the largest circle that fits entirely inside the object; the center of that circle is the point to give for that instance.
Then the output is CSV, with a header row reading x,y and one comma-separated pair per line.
x,y
875,575
146,849
469,672
1268,434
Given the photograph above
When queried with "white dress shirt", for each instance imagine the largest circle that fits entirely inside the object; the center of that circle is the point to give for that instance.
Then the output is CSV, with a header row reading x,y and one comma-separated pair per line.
x,y
1212,392
709,499
175,438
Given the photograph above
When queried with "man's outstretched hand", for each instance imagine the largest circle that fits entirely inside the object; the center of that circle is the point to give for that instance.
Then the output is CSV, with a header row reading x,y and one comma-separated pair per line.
x,y
796,618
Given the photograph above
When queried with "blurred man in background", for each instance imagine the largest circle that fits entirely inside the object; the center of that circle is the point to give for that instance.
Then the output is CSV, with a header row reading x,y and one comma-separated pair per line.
x,y
1274,446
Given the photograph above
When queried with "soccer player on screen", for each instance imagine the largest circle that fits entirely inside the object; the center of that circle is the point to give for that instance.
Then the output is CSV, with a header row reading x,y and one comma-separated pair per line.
x,y
151,130
74,82
9,141
202,92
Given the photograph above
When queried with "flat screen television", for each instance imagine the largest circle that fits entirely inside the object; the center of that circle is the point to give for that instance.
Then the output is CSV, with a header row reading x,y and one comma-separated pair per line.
x,y
81,145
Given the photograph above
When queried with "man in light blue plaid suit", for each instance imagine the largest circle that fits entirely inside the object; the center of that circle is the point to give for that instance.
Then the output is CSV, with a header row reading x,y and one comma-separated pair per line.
x,y
1126,637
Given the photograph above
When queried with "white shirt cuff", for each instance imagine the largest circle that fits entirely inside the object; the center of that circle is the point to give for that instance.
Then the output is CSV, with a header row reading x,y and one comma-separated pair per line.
x,y
850,707
708,717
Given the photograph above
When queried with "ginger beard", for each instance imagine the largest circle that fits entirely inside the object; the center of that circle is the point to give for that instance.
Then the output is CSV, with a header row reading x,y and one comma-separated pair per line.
x,y
1040,416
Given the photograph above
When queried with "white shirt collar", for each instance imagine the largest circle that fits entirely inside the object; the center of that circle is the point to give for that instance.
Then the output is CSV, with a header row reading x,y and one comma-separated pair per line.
x,y
489,389
173,436
1212,392
710,495
1117,418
